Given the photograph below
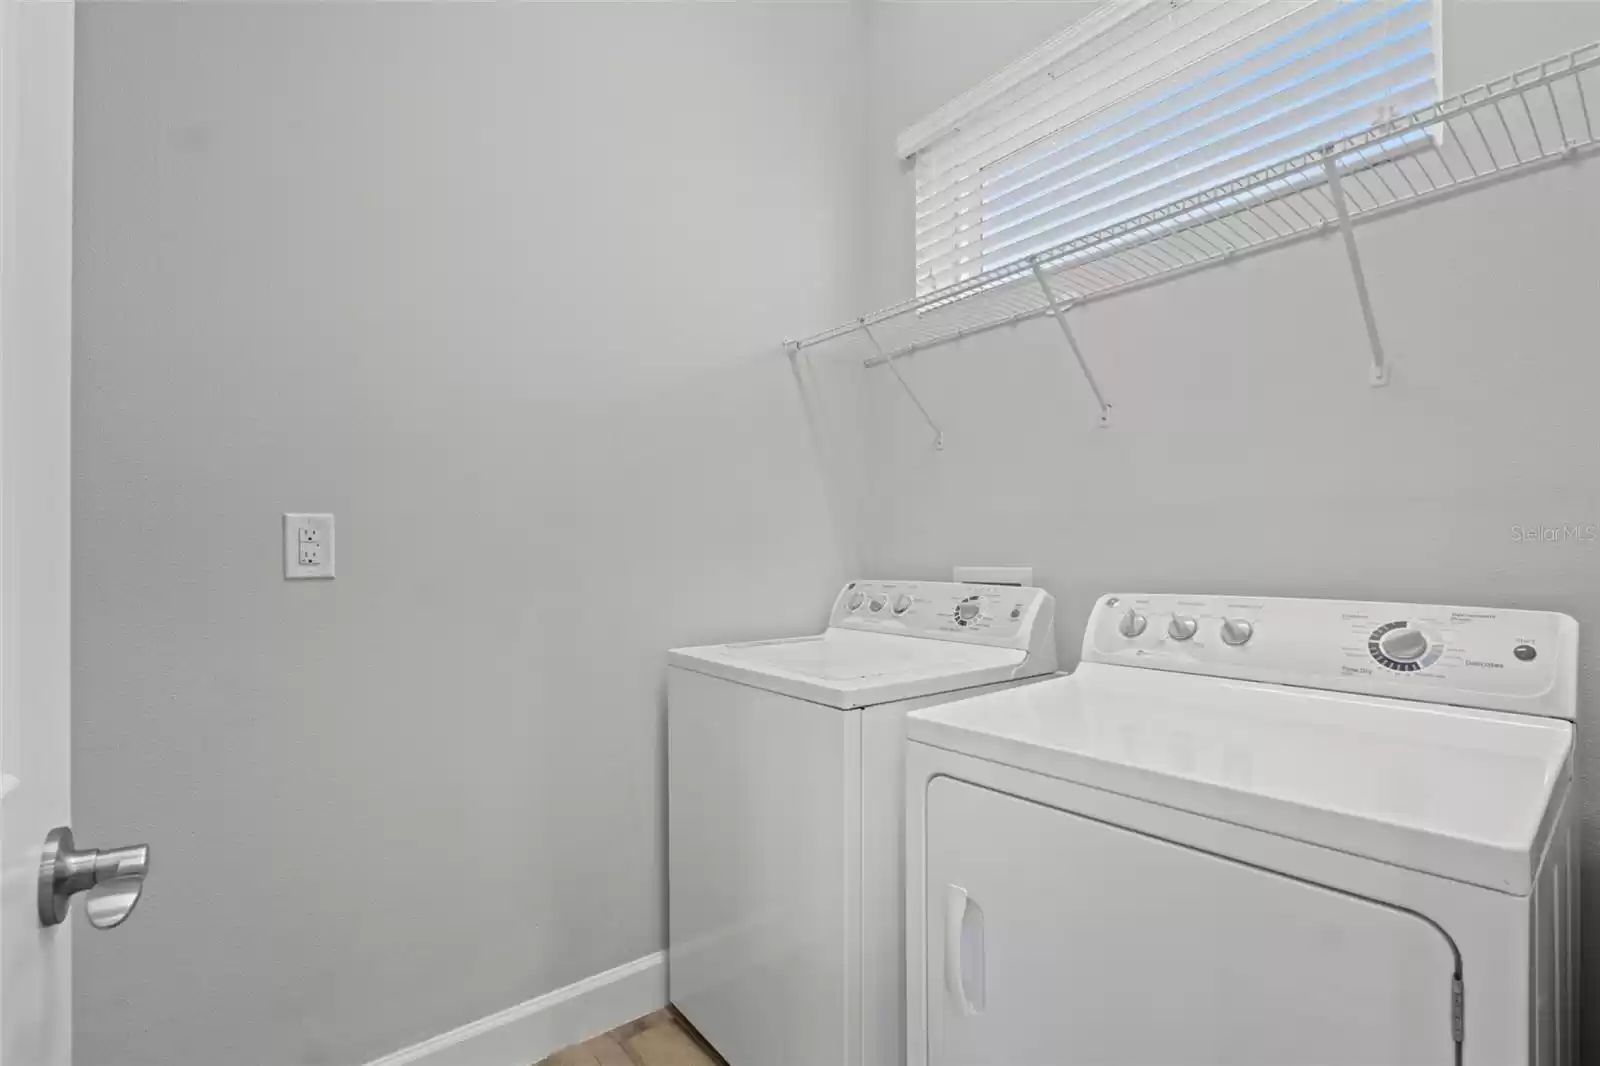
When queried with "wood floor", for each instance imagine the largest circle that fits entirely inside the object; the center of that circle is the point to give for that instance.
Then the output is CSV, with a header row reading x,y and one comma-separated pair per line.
x,y
659,1039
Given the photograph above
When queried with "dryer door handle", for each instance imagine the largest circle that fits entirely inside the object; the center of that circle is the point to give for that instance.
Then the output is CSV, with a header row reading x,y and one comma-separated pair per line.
x,y
963,950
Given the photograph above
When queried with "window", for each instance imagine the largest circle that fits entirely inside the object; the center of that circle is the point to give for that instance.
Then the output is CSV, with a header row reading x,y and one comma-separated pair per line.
x,y
1143,102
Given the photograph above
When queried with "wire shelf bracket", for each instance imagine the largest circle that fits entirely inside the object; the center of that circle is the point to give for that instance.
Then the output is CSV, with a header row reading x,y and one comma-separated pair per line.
x,y
1378,375
1531,120
938,434
1059,313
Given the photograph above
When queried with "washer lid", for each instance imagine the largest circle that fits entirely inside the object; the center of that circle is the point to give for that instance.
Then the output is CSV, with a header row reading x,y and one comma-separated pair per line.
x,y
847,668
1452,791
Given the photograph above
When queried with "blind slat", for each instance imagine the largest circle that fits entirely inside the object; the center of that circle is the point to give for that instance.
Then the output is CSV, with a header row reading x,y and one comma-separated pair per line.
x,y
1154,103
1364,84
1268,76
1251,49
1365,81
1068,94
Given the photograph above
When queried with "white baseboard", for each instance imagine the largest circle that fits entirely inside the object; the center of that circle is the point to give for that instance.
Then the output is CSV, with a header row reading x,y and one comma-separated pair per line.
x,y
529,1031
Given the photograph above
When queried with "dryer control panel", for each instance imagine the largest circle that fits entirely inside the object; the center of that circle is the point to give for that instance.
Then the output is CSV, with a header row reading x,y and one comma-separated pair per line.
x,y
1485,657
1003,616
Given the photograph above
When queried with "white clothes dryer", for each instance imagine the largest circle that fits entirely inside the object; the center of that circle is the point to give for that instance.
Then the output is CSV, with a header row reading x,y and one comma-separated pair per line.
x,y
1254,832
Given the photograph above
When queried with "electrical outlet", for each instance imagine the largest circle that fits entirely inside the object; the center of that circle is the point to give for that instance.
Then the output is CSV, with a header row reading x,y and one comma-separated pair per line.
x,y
307,545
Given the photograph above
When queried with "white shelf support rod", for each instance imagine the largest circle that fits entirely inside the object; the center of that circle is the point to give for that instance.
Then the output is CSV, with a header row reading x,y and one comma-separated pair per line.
x,y
1379,374
1059,313
938,434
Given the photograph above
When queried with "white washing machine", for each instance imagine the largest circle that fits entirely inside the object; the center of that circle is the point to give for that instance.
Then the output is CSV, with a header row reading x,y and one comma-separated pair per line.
x,y
785,782
1254,832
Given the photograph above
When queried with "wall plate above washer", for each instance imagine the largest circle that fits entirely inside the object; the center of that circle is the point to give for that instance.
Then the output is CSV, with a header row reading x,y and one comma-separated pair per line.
x,y
995,575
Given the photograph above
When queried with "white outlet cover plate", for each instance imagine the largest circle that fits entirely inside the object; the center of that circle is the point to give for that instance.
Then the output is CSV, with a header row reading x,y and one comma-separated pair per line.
x,y
995,575
313,529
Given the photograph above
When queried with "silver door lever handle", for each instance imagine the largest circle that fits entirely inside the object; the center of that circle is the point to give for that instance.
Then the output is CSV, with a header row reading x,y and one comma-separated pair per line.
x,y
114,880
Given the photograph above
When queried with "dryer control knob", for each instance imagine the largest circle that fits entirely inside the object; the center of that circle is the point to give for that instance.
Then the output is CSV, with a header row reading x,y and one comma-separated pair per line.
x,y
968,610
1182,627
1236,631
1132,624
902,603
877,604
1404,645
856,600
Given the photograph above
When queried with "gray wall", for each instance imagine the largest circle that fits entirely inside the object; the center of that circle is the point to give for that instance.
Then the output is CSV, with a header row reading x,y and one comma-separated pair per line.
x,y
500,286
1248,453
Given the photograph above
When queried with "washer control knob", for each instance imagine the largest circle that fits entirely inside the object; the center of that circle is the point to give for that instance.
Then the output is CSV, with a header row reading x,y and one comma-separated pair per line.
x,y
967,610
878,603
1404,645
1182,627
1132,624
902,603
856,600
1236,631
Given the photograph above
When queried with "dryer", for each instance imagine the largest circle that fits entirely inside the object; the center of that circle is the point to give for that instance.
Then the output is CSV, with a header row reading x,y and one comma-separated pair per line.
x,y
785,783
1254,832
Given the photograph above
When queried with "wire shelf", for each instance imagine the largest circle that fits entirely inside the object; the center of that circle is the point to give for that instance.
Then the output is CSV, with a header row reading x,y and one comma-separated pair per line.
x,y
1525,121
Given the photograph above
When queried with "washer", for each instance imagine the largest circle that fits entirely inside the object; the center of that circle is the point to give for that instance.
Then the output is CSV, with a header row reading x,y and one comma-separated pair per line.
x,y
785,783
1257,832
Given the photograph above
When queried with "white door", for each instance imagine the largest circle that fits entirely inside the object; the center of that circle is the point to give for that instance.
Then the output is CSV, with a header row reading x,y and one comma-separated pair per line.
x,y
35,496
1054,939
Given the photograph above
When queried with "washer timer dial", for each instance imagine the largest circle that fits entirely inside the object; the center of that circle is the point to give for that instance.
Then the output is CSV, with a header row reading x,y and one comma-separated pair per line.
x,y
1402,647
968,610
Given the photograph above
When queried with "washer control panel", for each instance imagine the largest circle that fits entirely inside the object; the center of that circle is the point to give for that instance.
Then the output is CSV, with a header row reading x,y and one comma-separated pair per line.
x,y
1000,615
1471,656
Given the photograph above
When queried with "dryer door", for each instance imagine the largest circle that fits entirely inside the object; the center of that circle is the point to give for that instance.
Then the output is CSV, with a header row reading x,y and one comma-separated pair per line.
x,y
1055,939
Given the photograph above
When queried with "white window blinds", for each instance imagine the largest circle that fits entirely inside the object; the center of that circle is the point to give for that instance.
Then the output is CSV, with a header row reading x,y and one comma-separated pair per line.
x,y
1143,102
